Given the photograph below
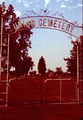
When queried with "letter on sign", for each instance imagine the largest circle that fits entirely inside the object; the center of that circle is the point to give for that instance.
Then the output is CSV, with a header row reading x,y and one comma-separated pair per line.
x,y
40,24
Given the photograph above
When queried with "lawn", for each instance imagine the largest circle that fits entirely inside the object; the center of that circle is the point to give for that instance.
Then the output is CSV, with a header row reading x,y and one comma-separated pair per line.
x,y
38,94
41,112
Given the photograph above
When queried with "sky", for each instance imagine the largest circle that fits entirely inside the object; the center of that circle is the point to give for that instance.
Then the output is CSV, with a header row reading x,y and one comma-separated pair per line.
x,y
53,45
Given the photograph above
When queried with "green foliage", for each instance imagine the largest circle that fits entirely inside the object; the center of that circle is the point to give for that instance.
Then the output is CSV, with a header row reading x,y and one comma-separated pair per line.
x,y
19,42
23,66
58,70
72,60
42,66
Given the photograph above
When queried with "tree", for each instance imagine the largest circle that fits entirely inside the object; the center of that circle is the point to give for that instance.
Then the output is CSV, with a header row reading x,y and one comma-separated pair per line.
x,y
19,41
59,70
24,66
50,72
72,60
42,66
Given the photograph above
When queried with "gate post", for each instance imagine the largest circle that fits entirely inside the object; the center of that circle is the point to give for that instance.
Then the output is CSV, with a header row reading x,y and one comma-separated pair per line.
x,y
77,85
4,65
1,45
81,72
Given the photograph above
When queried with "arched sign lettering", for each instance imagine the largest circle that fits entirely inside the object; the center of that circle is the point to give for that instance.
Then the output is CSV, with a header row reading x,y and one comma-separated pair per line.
x,y
48,22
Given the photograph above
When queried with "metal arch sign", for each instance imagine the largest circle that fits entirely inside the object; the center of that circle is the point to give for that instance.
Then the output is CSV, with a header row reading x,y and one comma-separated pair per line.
x,y
49,22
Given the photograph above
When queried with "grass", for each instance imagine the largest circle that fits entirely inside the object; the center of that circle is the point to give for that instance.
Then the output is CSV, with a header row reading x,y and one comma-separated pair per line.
x,y
31,90
41,112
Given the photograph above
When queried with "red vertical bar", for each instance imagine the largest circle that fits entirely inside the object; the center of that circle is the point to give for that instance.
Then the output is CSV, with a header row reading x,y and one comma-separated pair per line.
x,y
81,71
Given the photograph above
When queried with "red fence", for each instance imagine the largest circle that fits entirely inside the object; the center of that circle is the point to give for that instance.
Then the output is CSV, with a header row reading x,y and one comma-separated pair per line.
x,y
25,91
60,91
